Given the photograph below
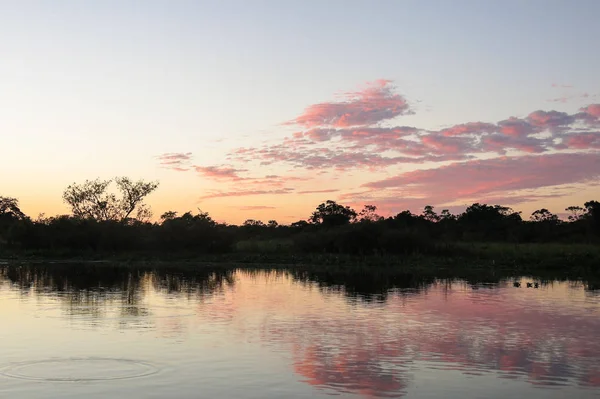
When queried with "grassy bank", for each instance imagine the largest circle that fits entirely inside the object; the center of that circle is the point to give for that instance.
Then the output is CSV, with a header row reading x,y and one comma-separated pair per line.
x,y
519,258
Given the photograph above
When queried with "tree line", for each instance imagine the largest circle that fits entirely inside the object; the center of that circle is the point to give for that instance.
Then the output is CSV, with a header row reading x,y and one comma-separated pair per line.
x,y
110,216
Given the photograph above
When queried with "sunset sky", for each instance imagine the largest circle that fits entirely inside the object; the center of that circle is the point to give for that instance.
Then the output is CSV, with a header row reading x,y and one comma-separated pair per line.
x,y
264,109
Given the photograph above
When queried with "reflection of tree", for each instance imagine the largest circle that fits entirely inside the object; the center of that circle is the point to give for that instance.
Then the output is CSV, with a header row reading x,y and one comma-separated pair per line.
x,y
368,286
89,290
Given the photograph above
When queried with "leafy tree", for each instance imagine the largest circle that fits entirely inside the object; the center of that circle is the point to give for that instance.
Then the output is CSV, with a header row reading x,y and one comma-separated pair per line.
x,y
169,215
430,215
9,209
482,213
446,215
331,214
593,213
272,224
253,223
544,215
577,213
93,200
299,224
368,214
405,219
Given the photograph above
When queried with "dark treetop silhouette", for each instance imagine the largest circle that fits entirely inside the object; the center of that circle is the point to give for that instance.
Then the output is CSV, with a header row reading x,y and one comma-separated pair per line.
x,y
108,223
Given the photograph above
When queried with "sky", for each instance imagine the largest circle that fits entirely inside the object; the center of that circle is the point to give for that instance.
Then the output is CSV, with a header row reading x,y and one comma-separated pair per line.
x,y
264,109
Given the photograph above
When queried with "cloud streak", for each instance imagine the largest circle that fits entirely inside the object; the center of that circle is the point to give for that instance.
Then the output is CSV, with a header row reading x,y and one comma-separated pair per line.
x,y
479,178
246,193
178,161
255,207
220,172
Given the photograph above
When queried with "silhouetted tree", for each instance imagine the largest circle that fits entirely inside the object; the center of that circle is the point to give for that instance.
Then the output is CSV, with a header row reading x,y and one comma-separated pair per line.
x,y
272,224
577,213
369,214
545,216
593,214
430,215
92,200
446,215
9,209
253,223
169,215
299,224
331,214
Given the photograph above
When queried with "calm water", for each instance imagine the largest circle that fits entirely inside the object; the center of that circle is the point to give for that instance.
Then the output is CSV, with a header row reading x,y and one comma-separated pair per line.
x,y
103,332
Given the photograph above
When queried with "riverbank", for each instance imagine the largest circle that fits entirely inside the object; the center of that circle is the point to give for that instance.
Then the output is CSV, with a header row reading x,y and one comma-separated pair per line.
x,y
520,258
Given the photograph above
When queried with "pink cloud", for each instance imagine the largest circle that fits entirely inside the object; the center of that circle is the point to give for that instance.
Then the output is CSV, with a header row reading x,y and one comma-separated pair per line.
x,y
516,127
483,177
469,128
318,191
340,159
329,141
561,85
582,141
592,110
448,144
374,104
559,100
550,119
255,207
500,143
177,161
360,134
245,193
219,173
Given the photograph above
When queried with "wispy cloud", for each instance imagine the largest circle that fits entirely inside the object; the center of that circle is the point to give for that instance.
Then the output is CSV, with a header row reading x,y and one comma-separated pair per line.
x,y
564,86
255,207
465,180
220,172
245,193
178,161
333,190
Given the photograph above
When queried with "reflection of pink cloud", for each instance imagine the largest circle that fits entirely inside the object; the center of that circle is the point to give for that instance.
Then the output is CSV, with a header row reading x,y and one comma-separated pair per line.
x,y
374,104
177,161
373,349
460,180
449,327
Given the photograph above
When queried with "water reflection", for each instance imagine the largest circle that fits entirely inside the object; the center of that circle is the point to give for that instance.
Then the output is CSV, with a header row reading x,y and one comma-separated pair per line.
x,y
353,334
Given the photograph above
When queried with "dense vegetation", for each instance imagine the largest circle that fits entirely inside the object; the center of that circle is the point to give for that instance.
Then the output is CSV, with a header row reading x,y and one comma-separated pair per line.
x,y
102,224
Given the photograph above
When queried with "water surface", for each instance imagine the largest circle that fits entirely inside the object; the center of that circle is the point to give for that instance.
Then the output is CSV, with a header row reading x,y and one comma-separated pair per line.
x,y
99,331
